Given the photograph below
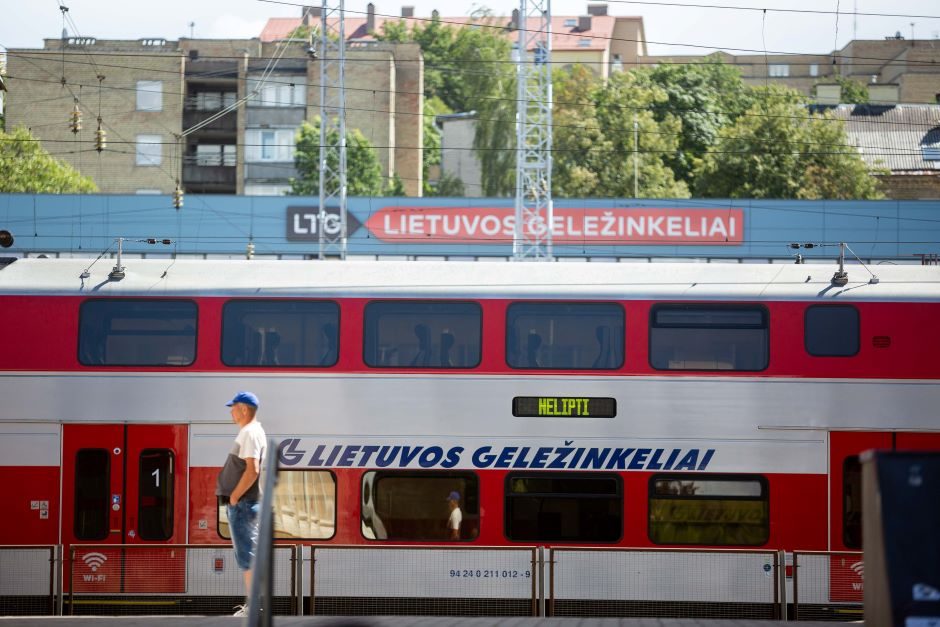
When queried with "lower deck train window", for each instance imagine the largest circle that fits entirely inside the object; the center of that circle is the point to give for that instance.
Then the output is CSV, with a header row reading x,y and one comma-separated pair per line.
x,y
564,507
408,506
304,506
708,337
852,502
710,510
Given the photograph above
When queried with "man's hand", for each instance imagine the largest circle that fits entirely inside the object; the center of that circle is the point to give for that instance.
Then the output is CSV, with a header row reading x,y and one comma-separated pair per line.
x,y
233,501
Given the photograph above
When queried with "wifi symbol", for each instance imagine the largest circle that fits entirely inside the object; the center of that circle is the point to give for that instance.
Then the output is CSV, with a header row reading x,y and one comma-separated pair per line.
x,y
94,560
859,568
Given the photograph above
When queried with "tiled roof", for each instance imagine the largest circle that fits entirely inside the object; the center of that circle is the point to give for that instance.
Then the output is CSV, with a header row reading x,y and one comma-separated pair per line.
x,y
894,137
564,37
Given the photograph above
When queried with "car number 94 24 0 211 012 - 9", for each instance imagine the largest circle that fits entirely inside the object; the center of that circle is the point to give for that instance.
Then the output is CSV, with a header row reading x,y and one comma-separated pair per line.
x,y
490,574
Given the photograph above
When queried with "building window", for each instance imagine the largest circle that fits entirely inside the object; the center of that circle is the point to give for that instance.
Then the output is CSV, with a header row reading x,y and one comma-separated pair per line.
x,y
149,150
304,506
148,192
571,22
778,70
142,332
266,190
149,95
831,331
215,154
407,506
276,145
422,334
708,337
572,507
280,333
584,42
814,69
565,336
709,510
277,91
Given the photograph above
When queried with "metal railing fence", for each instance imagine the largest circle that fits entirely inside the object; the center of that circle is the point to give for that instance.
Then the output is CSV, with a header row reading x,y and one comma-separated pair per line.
x,y
828,585
28,582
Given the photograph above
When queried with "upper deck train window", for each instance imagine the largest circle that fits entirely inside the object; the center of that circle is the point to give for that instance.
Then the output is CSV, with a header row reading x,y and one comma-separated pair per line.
x,y
137,332
831,330
568,336
710,510
573,507
708,337
414,334
280,333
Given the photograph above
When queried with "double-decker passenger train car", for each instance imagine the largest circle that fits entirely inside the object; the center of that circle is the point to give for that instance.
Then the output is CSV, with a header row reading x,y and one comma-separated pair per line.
x,y
597,404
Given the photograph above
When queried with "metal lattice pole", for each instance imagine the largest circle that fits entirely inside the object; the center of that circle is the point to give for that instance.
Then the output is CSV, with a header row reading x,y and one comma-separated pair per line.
x,y
533,234
332,215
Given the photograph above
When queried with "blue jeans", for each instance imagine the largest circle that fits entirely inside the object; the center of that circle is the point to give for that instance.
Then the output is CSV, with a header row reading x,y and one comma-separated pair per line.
x,y
243,525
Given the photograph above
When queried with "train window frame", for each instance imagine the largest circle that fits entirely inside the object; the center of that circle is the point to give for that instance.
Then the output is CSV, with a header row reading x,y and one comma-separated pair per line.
x,y
760,479
853,460
105,489
238,301
468,514
83,310
507,326
754,307
282,471
169,511
619,495
806,332
368,341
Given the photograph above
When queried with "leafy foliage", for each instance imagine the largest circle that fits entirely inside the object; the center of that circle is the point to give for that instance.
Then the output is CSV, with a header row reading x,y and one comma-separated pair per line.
x,y
363,172
27,168
853,91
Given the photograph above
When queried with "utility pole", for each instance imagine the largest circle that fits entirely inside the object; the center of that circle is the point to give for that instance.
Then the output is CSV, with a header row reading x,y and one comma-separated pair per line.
x,y
532,236
331,228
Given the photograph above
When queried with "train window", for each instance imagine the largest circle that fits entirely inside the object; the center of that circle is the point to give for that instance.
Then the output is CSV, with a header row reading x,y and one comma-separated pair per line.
x,y
155,507
709,510
852,503
568,336
831,331
573,507
137,333
92,484
708,337
280,333
407,506
422,334
304,506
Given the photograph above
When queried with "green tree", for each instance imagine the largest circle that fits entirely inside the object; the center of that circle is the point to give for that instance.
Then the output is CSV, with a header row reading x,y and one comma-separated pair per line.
x,y
777,149
27,168
853,91
431,156
363,171
594,153
704,97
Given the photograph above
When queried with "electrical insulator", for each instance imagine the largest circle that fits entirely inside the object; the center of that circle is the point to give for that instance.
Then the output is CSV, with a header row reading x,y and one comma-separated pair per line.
x,y
76,118
178,197
101,138
250,251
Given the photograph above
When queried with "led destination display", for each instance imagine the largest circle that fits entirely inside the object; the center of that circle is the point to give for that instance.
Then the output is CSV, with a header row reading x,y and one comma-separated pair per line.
x,y
563,407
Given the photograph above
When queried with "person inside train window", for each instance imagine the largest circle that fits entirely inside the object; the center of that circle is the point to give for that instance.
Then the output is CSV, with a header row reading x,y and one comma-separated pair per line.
x,y
447,345
272,342
533,343
422,358
456,516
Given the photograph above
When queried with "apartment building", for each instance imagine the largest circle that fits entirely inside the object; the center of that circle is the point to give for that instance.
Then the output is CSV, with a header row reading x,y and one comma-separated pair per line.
x,y
217,116
602,42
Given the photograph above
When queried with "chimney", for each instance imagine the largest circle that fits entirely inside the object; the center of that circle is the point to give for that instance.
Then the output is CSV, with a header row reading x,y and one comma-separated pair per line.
x,y
584,23
514,24
597,9
884,94
408,11
370,18
435,15
828,93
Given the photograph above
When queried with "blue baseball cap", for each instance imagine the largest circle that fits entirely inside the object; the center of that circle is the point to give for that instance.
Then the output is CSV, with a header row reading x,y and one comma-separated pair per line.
x,y
245,398
453,496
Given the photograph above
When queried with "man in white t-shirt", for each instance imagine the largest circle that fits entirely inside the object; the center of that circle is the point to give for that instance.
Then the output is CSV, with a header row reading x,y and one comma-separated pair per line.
x,y
238,487
456,517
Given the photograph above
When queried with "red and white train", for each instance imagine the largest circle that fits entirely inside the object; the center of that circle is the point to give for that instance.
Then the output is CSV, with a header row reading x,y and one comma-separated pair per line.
x,y
601,404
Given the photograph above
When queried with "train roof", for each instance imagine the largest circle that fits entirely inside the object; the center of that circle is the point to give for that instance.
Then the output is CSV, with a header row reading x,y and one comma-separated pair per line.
x,y
469,279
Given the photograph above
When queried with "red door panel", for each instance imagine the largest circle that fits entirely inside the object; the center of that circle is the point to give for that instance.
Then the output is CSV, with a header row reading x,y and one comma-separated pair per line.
x,y
125,484
917,442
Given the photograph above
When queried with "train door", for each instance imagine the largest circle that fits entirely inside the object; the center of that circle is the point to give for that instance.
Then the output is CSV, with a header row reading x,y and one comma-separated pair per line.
x,y
125,485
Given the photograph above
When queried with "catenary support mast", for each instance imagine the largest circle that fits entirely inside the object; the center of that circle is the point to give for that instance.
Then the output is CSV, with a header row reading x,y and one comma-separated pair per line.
x,y
332,215
532,238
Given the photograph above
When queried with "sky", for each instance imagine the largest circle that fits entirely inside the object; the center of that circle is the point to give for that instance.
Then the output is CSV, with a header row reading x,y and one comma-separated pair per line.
x,y
26,23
